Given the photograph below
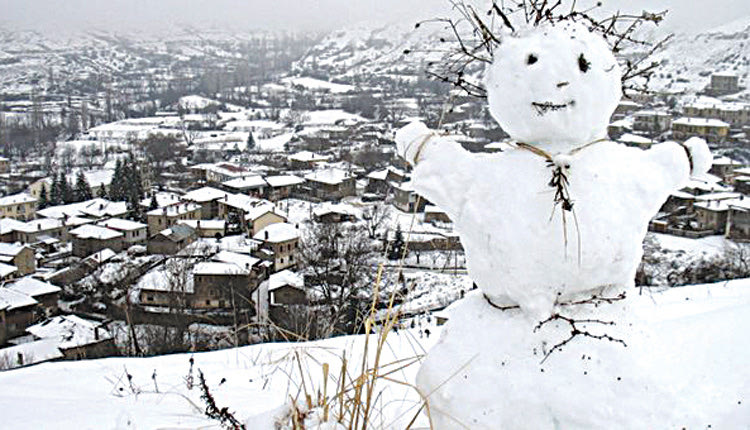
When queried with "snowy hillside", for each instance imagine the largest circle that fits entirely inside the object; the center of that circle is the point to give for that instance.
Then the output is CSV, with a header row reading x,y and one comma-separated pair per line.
x,y
375,50
699,330
689,60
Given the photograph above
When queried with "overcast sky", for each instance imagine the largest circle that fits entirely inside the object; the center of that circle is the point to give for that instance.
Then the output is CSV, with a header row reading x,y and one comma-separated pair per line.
x,y
685,15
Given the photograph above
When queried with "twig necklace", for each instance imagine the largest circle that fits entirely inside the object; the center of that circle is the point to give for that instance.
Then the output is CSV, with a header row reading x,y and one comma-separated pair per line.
x,y
560,165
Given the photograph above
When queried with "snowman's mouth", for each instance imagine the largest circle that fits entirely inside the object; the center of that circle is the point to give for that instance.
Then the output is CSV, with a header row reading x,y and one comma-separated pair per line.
x,y
543,108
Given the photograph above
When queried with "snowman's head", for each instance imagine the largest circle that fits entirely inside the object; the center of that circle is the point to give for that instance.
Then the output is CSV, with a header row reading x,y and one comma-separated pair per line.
x,y
556,83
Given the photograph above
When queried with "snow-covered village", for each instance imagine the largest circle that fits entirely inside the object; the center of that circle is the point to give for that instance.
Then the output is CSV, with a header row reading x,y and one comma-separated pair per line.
x,y
456,214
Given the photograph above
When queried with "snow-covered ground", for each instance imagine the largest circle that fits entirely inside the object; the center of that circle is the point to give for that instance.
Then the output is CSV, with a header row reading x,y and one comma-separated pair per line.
x,y
700,328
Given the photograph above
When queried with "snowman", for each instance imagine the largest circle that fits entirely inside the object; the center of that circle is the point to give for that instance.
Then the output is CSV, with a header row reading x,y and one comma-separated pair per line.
x,y
549,228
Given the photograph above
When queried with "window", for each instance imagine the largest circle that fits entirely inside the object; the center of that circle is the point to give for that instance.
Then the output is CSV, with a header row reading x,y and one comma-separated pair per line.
x,y
208,302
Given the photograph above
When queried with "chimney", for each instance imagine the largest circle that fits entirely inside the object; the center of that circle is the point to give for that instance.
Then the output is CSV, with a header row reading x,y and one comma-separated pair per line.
x,y
266,234
199,223
96,333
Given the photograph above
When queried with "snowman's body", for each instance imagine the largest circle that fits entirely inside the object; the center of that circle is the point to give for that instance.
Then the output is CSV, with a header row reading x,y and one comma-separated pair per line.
x,y
521,247
553,88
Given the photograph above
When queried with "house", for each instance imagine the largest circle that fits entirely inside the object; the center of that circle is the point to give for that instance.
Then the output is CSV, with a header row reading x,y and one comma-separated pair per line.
x,y
42,229
20,256
17,311
434,214
283,240
76,338
96,208
379,180
134,233
330,184
166,217
7,272
723,83
160,287
406,199
306,160
651,122
736,114
4,165
21,207
712,130
212,228
222,172
635,140
282,187
46,294
286,288
335,213
250,185
88,239
262,216
724,167
618,128
222,285
207,198
8,229
172,240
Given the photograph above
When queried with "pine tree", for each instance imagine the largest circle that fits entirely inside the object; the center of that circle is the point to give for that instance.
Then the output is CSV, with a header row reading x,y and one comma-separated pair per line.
x,y
398,246
82,191
116,188
55,197
154,202
66,191
250,142
44,200
102,192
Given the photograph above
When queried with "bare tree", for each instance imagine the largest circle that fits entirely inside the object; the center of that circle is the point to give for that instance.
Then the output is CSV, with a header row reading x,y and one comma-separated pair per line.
x,y
375,217
337,260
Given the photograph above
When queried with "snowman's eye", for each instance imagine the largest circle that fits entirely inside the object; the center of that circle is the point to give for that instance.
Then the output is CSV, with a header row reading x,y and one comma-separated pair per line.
x,y
583,63
531,59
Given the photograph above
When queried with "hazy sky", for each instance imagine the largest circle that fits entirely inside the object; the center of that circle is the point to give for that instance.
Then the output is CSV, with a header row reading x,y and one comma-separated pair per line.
x,y
686,15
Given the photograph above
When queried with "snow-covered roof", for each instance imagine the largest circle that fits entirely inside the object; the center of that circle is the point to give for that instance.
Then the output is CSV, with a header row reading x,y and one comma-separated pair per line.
x,y
70,331
337,208
702,122
723,160
95,232
175,210
7,270
34,352
9,225
218,268
122,224
634,138
246,182
307,157
97,208
205,224
317,84
40,224
328,176
33,287
160,279
284,180
278,232
242,260
16,199
205,194
241,201
284,278
11,249
503,146
11,299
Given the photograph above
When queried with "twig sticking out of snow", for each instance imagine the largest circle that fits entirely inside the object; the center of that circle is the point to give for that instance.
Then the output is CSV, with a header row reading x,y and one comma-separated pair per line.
x,y
576,331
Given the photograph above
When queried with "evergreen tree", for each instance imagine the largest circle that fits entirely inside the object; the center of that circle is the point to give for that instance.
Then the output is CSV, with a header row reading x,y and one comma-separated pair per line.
x,y
66,191
44,200
250,142
154,203
55,197
116,188
102,192
398,246
82,191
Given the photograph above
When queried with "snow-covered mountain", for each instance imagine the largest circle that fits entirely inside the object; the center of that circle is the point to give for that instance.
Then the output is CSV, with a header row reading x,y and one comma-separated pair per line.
x,y
689,60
